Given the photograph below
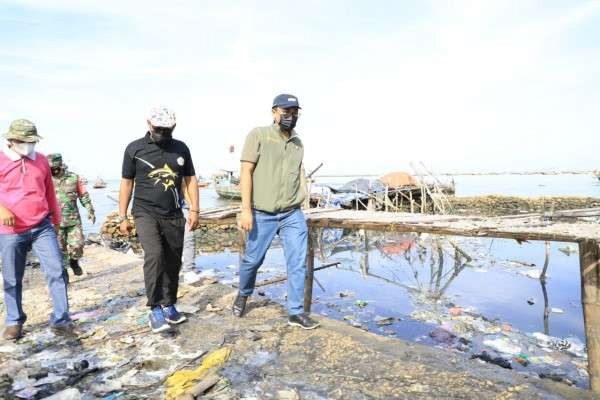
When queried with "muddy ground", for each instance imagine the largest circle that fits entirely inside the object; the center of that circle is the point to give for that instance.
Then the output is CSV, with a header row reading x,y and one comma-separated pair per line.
x,y
269,359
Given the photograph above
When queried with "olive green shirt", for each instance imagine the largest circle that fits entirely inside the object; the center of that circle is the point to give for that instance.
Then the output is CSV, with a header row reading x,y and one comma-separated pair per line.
x,y
277,180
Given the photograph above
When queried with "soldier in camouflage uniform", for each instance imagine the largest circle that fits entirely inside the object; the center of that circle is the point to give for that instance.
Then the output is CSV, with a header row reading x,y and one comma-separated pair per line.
x,y
69,187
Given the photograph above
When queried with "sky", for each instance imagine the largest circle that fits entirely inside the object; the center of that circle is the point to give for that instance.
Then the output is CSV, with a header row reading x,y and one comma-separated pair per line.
x,y
489,85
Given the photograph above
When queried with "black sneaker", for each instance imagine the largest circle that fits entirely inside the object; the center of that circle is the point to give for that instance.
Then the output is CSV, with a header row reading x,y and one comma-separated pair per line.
x,y
239,305
303,321
76,268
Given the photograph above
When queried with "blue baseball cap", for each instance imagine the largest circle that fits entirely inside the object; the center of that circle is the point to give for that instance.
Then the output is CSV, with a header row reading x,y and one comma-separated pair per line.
x,y
286,101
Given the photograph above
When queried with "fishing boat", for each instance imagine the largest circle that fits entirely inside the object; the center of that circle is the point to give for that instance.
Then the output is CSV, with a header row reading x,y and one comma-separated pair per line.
x,y
203,182
597,173
99,184
228,188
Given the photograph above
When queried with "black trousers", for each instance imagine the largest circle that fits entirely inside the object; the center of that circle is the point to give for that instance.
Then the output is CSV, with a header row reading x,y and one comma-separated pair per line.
x,y
162,241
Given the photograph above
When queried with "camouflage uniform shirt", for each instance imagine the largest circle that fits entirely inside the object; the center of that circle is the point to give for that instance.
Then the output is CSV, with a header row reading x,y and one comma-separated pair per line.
x,y
69,187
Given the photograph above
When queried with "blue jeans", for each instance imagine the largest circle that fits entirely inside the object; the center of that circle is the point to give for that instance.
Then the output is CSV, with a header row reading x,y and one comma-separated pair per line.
x,y
14,248
291,228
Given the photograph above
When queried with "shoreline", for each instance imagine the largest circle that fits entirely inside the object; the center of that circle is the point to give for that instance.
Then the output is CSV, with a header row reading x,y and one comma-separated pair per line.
x,y
268,358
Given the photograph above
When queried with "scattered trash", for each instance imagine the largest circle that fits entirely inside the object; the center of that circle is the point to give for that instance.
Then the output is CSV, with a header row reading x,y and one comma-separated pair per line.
x,y
531,301
441,335
556,376
499,361
533,274
557,310
522,359
288,395
361,303
455,311
187,308
180,381
67,394
381,321
211,308
346,293
503,345
569,249
191,277
560,345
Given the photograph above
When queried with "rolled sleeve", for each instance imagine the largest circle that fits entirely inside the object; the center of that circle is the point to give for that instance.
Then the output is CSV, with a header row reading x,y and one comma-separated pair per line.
x,y
251,150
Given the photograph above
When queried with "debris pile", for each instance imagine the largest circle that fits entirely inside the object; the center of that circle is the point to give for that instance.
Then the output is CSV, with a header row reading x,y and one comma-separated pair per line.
x,y
512,205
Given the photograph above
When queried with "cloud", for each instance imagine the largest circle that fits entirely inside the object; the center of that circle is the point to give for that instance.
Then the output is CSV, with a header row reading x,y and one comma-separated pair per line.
x,y
459,85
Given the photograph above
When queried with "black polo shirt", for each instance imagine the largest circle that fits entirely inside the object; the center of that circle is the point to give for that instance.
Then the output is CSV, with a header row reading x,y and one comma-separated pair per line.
x,y
157,171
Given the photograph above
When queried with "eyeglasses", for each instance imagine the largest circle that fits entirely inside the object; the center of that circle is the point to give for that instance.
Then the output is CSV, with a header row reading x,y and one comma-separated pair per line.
x,y
288,113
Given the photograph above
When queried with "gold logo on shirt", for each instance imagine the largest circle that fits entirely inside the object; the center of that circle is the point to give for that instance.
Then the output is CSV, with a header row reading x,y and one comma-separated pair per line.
x,y
164,175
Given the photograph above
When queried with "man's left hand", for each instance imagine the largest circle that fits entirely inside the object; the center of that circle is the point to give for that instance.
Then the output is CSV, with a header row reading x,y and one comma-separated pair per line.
x,y
192,220
92,217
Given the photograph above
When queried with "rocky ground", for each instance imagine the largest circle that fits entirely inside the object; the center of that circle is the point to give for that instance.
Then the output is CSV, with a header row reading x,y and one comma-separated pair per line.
x,y
116,357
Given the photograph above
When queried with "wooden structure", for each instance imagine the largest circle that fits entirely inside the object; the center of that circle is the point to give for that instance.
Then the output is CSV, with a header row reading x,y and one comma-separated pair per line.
x,y
218,216
526,227
561,226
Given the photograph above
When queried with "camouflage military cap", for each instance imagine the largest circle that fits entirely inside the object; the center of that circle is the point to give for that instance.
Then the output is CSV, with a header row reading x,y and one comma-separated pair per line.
x,y
55,160
23,130
161,117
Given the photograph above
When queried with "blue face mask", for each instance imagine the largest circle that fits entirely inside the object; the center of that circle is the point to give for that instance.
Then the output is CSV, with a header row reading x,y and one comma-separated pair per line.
x,y
288,123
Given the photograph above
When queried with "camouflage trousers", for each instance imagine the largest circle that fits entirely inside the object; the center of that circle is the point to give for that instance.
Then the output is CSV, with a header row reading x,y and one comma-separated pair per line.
x,y
71,242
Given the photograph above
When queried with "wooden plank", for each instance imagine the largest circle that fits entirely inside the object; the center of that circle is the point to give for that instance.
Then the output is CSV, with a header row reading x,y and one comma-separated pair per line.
x,y
448,230
310,273
589,258
520,229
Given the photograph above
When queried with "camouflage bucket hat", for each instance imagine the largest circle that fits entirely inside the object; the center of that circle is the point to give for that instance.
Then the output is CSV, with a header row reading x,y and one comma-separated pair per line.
x,y
23,130
55,160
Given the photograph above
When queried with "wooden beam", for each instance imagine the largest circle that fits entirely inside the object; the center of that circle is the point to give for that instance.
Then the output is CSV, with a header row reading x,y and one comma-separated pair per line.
x,y
589,259
310,272
446,230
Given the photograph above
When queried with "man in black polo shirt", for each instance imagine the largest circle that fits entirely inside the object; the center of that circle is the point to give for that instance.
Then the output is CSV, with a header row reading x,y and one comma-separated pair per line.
x,y
159,165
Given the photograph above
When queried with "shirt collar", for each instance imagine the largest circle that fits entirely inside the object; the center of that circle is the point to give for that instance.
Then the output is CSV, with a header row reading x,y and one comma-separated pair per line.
x,y
293,134
14,156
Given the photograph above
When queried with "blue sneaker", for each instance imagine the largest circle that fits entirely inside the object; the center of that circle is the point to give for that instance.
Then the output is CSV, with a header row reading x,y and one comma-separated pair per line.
x,y
172,315
157,321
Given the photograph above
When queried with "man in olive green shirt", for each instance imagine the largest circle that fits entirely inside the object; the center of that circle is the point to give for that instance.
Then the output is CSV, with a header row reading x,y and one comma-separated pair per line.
x,y
272,192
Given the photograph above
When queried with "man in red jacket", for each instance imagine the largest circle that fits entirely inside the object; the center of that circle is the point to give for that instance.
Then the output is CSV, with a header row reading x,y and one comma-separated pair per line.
x,y
29,213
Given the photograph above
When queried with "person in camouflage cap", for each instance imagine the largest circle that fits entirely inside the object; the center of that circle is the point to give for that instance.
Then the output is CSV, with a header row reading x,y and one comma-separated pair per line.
x,y
70,187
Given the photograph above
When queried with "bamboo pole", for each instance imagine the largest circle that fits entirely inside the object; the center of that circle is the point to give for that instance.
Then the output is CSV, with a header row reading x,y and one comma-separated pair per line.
x,y
589,259
284,278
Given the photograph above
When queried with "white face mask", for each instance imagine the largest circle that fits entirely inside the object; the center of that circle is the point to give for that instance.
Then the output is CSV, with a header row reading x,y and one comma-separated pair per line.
x,y
23,149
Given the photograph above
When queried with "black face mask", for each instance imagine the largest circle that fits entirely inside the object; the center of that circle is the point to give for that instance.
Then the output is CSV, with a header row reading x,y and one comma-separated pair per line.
x,y
288,123
161,135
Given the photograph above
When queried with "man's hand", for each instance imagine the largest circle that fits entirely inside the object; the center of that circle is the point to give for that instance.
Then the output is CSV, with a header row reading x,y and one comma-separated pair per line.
x,y
246,220
92,217
125,227
7,217
192,220
57,229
